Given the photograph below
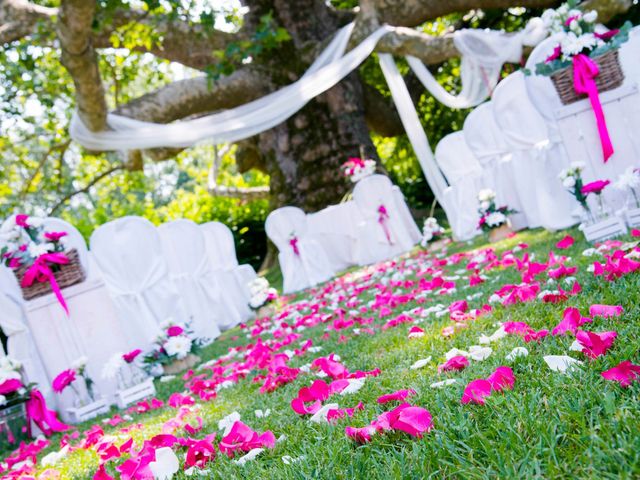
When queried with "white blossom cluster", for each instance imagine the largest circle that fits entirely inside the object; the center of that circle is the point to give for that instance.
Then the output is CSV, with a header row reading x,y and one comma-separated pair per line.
x,y
568,176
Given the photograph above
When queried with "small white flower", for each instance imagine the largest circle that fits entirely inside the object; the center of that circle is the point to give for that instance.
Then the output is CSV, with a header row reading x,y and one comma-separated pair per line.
x,y
486,195
496,219
590,17
178,346
569,182
517,352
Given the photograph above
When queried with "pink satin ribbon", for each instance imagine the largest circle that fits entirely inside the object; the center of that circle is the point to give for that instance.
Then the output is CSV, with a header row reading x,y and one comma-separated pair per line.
x,y
383,216
40,272
45,419
585,71
294,244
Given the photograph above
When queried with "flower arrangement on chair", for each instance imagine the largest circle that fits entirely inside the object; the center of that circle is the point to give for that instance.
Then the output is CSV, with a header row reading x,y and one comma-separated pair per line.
x,y
174,350
571,179
357,168
38,258
263,297
585,62
494,220
69,377
431,231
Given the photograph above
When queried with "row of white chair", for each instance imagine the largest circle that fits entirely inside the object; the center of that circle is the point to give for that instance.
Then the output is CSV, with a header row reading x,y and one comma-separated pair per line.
x,y
375,226
516,145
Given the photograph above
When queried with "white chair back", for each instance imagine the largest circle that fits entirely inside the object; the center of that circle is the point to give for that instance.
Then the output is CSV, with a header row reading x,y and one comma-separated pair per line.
x,y
483,135
371,192
541,91
184,247
455,158
284,222
220,245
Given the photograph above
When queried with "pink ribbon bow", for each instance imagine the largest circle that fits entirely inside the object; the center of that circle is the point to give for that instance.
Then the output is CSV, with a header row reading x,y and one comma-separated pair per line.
x,y
39,271
383,216
585,71
294,244
45,419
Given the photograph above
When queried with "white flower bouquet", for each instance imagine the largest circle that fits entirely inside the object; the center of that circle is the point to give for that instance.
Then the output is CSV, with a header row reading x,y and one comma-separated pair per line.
x,y
174,350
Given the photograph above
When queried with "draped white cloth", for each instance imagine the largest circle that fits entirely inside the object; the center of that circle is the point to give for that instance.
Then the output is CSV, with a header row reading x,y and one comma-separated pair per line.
x,y
487,143
308,266
185,251
129,254
535,160
381,235
233,278
405,216
466,179
20,344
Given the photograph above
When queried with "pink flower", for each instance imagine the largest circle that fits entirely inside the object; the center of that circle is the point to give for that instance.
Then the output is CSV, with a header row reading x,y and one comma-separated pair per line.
x,y
606,36
22,220
338,413
63,380
501,378
595,344
174,331
10,386
555,55
200,453
624,373
595,187
458,362
241,437
131,356
476,391
360,435
54,236
412,420
416,332
565,243
101,474
605,310
458,306
330,366
399,395
571,320
177,400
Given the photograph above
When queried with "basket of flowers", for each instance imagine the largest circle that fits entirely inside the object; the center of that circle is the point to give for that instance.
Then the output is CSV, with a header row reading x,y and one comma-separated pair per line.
x,y
432,234
38,258
357,168
174,350
494,220
581,46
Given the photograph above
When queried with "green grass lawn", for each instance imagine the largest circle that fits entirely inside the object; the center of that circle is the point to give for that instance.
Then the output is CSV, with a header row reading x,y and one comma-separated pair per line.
x,y
549,426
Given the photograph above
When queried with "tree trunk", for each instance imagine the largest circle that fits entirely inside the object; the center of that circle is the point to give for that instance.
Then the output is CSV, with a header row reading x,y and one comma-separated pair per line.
x,y
304,154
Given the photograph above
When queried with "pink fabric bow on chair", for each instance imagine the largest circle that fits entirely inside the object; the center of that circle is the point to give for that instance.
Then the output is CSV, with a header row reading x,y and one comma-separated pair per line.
x,y
294,245
383,217
39,271
45,419
585,70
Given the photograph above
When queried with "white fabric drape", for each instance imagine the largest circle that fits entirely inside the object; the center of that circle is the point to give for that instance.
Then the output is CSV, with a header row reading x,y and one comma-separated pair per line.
x,y
129,254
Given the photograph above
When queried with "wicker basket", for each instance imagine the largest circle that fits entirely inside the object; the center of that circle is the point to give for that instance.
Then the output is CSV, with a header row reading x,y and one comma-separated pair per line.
x,y
610,77
66,275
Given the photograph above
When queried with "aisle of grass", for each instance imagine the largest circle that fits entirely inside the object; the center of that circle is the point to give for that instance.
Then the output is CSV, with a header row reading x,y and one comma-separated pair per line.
x,y
550,426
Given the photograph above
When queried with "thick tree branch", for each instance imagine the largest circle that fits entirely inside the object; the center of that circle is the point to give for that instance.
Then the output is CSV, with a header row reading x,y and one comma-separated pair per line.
x,y
380,113
18,19
194,96
79,58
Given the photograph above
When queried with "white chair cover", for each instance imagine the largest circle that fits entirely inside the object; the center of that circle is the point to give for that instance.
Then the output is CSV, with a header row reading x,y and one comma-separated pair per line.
x,y
575,124
221,250
335,229
405,215
206,304
487,143
380,237
466,179
536,164
129,254
307,268
20,344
